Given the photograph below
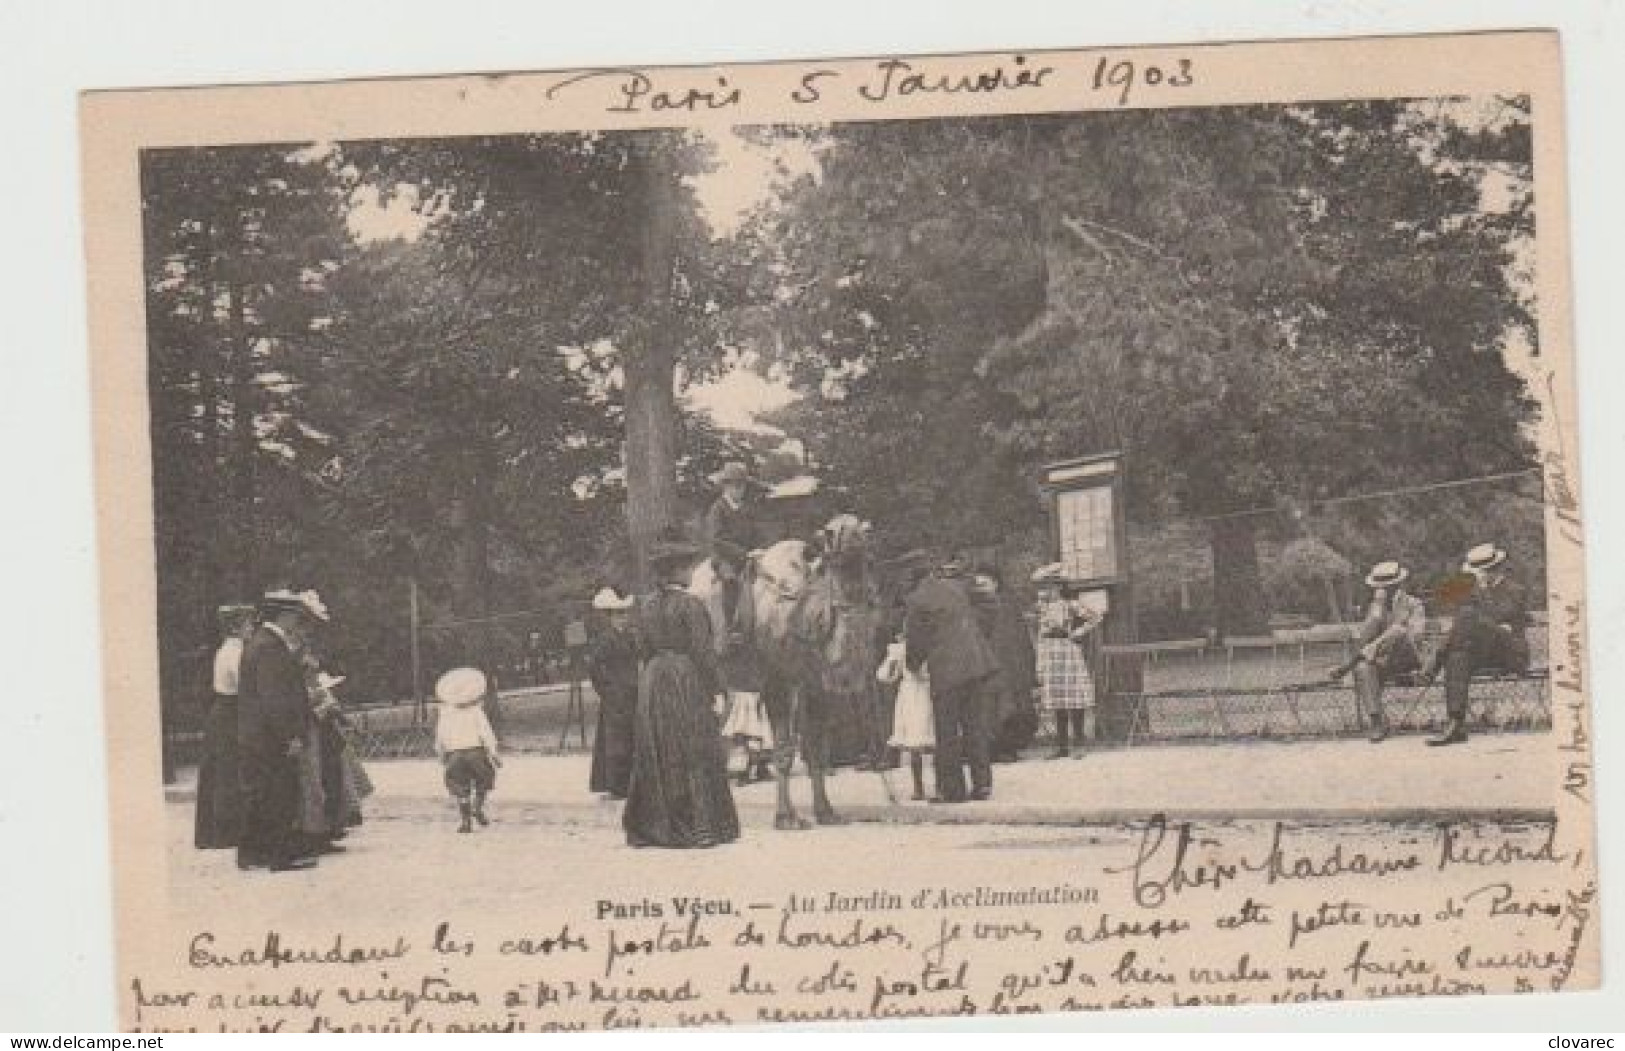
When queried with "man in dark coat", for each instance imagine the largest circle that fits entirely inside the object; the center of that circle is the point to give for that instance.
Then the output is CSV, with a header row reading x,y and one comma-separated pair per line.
x,y
731,532
1488,633
273,712
942,634
1012,722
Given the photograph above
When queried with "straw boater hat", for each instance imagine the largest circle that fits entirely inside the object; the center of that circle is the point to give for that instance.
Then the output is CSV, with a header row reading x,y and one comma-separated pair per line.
x,y
460,687
306,602
1482,557
1052,575
1387,575
611,601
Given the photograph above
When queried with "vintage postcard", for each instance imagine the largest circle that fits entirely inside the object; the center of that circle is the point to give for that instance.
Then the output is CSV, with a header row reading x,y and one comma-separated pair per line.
x,y
842,540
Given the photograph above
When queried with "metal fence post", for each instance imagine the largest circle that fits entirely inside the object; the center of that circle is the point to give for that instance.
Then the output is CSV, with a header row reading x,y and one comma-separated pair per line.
x,y
417,652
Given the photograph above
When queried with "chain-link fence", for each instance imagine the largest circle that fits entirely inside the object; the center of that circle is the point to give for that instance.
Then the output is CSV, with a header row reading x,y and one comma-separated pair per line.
x,y
1239,619
556,719
1183,680
1280,689
1194,693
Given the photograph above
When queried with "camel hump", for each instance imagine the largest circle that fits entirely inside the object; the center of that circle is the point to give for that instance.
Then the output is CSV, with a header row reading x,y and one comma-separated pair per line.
x,y
778,579
784,566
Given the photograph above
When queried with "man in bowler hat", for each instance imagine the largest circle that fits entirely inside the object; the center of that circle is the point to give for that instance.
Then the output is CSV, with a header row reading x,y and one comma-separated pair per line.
x,y
942,634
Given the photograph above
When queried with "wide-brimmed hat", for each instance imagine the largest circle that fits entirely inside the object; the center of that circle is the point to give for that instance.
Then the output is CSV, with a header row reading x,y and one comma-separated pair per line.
x,y
306,602
1387,575
611,601
460,687
733,471
327,680
1484,556
1052,575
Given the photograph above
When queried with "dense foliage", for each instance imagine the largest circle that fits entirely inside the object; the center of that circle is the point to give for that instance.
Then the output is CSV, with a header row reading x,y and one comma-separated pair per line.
x,y
1257,306
1261,307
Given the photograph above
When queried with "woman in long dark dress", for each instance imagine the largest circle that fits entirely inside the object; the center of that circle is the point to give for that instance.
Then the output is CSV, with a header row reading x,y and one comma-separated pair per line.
x,y
219,794
679,795
612,665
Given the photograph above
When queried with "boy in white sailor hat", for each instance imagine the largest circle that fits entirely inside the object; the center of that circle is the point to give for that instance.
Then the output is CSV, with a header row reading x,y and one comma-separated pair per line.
x,y
1488,633
466,743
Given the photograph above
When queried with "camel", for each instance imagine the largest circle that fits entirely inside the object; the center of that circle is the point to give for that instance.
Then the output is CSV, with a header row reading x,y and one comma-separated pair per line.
x,y
806,622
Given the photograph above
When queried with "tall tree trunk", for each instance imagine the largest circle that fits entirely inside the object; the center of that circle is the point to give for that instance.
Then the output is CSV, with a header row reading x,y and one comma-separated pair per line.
x,y
244,451
209,514
650,367
651,452
208,510
1238,586
477,513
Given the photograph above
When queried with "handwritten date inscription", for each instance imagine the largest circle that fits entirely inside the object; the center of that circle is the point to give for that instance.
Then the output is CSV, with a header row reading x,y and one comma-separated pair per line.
x,y
1115,81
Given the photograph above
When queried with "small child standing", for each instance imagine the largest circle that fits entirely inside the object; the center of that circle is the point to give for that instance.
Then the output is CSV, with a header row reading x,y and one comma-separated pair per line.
x,y
747,728
466,743
912,731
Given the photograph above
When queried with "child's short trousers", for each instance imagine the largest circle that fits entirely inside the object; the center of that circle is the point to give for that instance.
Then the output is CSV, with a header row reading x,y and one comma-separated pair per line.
x,y
469,768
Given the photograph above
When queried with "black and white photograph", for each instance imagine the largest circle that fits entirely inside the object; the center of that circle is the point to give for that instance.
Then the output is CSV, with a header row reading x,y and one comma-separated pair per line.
x,y
1135,543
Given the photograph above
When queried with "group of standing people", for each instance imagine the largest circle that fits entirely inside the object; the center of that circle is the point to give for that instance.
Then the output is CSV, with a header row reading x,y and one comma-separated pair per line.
x,y
281,783
279,780
963,662
967,672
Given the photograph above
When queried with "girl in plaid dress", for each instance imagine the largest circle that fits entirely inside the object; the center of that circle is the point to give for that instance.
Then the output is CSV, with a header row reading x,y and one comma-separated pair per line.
x,y
1064,629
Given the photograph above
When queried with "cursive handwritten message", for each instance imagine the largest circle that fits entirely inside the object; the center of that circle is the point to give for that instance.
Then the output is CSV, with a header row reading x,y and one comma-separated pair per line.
x,y
1157,914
